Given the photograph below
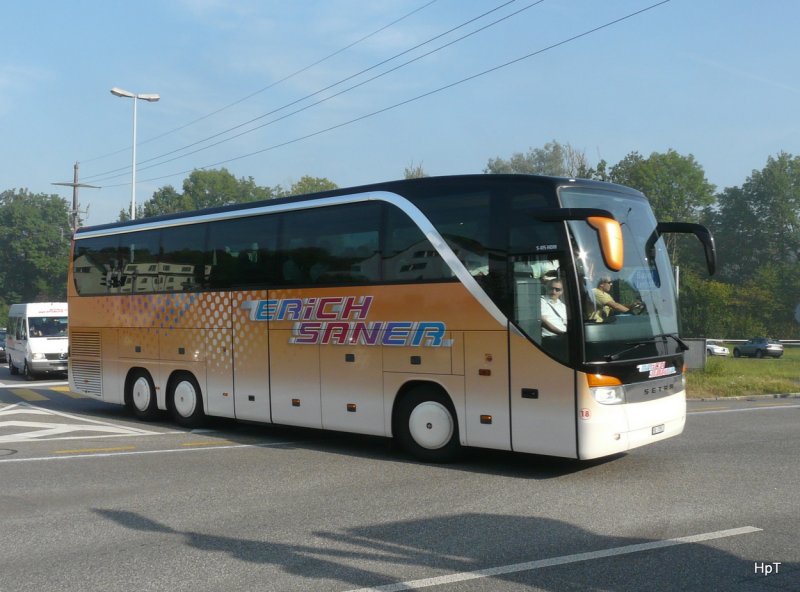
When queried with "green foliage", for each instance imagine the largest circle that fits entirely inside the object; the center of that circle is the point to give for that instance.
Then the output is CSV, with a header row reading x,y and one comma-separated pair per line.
x,y
677,189
305,185
560,160
205,189
737,377
212,188
413,171
34,248
758,224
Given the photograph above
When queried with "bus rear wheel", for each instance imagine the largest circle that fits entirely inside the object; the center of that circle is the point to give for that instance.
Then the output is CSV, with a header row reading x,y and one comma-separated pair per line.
x,y
141,395
186,401
426,426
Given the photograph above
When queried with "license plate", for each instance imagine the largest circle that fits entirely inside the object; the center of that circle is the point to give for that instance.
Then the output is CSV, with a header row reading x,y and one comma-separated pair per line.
x,y
658,429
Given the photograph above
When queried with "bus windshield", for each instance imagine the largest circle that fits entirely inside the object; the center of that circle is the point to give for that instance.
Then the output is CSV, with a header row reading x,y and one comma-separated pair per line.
x,y
631,313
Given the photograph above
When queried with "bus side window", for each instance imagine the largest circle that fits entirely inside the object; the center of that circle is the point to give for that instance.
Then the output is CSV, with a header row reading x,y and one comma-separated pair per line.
x,y
407,253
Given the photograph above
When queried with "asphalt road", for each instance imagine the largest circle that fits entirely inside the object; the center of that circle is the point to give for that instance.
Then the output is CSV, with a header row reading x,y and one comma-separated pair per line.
x,y
91,499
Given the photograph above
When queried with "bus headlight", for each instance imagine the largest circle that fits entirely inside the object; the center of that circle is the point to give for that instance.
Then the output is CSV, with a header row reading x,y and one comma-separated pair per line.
x,y
608,395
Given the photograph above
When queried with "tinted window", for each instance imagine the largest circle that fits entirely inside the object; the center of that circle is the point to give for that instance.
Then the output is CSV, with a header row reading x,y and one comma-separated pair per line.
x,y
139,252
464,222
242,252
358,243
182,264
98,265
333,245
407,253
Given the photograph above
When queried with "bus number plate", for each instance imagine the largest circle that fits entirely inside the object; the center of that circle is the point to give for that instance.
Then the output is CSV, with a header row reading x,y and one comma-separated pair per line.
x,y
658,429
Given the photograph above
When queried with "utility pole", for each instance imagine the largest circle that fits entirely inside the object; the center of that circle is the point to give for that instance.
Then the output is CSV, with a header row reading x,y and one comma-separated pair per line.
x,y
74,214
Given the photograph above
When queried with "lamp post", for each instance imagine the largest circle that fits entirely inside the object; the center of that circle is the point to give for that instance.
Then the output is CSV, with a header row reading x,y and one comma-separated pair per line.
x,y
152,98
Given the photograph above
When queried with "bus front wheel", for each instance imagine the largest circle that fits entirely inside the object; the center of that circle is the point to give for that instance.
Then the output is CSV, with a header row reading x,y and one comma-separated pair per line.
x,y
186,401
426,426
142,395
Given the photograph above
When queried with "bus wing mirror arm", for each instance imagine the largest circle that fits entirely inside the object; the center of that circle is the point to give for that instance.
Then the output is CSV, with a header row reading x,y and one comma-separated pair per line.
x,y
609,231
702,233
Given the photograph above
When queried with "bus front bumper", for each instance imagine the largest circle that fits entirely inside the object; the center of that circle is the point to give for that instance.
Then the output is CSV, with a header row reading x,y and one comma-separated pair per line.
x,y
612,429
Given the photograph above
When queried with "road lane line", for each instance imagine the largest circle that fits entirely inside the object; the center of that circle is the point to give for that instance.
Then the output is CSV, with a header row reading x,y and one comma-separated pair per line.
x,y
28,395
143,452
745,409
93,450
563,560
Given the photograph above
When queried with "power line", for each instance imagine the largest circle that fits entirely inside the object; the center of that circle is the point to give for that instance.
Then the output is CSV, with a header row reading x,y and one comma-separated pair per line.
x,y
269,86
418,97
328,98
123,170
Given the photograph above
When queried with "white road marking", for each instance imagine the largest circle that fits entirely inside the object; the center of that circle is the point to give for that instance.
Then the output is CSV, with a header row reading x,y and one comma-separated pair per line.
x,y
141,452
38,431
553,561
766,408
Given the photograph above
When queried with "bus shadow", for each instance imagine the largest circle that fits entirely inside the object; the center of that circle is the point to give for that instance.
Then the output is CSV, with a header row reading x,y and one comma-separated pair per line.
x,y
473,460
512,549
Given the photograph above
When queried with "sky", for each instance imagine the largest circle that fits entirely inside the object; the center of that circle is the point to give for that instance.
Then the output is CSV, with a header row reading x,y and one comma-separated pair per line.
x,y
358,91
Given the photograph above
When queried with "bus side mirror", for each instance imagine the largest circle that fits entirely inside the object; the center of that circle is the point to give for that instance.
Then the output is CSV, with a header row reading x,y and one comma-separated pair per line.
x,y
702,233
609,232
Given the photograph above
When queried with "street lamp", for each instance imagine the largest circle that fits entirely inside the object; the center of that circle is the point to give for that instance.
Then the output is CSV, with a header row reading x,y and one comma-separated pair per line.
x,y
152,98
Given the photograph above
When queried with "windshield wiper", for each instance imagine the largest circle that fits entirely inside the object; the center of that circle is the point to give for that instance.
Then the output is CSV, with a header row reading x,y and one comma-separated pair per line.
x,y
634,346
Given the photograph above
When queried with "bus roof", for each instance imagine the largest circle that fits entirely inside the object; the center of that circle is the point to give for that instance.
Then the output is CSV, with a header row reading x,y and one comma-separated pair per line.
x,y
403,187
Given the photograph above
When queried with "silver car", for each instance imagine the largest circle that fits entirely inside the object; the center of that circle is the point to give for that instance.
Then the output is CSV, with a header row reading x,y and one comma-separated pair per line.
x,y
759,347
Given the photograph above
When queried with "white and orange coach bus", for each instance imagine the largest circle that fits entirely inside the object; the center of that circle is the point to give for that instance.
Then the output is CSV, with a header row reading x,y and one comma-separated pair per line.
x,y
408,309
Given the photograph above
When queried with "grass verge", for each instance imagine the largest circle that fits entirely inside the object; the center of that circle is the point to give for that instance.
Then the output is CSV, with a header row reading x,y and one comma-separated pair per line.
x,y
737,377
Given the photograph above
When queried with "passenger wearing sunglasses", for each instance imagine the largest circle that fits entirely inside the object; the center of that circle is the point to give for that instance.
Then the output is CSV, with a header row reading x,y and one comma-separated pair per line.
x,y
554,311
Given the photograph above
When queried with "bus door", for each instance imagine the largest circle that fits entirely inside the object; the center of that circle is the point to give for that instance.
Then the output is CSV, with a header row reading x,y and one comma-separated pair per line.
x,y
542,400
542,385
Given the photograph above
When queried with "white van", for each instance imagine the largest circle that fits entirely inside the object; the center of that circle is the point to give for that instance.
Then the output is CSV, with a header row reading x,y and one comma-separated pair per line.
x,y
36,339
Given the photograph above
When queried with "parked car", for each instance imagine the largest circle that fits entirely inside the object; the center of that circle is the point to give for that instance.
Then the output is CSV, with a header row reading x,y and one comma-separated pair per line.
x,y
759,347
714,348
2,345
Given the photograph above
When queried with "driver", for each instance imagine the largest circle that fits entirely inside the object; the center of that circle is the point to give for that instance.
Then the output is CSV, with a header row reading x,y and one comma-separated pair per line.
x,y
604,303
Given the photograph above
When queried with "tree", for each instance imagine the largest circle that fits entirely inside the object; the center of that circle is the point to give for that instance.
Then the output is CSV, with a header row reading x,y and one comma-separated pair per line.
x,y
307,184
677,188
34,247
675,185
560,160
413,171
204,189
758,224
164,201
